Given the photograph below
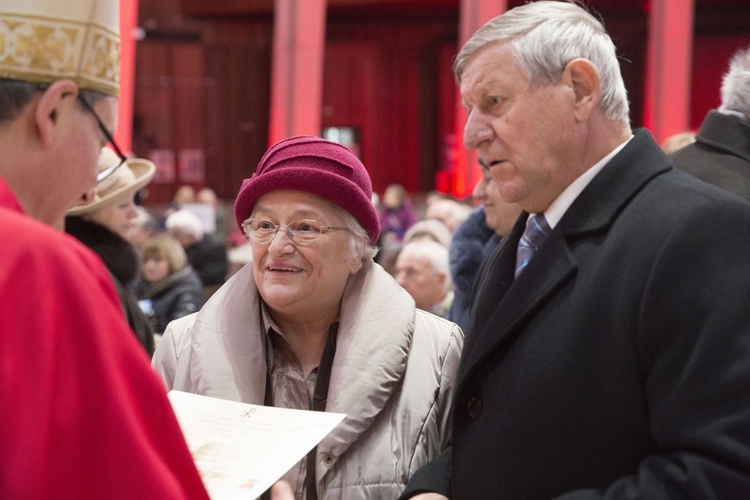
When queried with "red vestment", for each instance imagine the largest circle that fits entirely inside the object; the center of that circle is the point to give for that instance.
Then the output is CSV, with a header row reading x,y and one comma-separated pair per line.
x,y
82,415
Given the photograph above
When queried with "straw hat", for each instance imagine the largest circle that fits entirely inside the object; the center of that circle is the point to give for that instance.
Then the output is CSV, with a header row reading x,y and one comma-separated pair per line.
x,y
46,40
126,180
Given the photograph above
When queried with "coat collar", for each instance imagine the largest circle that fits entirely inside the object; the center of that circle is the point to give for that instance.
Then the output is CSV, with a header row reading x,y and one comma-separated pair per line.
x,y
726,133
503,304
375,333
118,254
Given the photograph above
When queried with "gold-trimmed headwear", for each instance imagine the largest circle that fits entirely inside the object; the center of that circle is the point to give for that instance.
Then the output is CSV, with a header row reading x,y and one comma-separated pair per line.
x,y
46,40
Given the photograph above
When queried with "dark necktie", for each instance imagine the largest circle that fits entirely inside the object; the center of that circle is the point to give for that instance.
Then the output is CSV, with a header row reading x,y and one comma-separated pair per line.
x,y
533,236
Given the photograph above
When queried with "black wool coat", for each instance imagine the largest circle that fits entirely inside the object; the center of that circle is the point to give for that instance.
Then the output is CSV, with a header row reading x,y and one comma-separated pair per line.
x,y
618,364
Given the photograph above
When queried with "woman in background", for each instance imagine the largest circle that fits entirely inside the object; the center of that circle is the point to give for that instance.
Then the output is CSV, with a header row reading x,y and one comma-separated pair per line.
x,y
397,214
105,224
170,287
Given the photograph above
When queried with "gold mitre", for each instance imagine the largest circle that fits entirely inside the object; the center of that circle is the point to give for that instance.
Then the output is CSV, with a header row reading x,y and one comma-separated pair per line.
x,y
46,40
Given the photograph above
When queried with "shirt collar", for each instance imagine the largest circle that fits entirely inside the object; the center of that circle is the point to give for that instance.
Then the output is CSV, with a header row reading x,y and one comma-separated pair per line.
x,y
561,204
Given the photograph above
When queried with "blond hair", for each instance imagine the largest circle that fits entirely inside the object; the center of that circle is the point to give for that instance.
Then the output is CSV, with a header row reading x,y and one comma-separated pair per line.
x,y
165,247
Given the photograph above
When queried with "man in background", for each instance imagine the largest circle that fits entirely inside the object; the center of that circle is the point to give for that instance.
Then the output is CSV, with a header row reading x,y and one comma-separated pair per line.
x,y
474,241
449,212
422,270
83,414
720,154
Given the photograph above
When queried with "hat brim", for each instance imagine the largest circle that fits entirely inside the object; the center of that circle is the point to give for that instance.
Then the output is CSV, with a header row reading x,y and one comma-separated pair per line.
x,y
142,169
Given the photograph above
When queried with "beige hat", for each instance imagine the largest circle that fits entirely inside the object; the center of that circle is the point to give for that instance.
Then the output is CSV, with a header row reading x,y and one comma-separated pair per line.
x,y
126,180
46,40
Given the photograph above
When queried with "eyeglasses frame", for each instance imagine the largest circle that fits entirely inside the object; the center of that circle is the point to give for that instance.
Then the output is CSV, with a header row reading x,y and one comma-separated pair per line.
x,y
323,230
110,140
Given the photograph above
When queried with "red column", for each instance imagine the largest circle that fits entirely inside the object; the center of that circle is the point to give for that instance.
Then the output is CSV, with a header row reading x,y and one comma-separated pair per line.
x,y
668,71
297,74
474,13
128,22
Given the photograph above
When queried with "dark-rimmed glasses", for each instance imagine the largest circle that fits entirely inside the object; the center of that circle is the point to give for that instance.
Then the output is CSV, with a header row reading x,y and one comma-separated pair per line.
x,y
301,232
111,140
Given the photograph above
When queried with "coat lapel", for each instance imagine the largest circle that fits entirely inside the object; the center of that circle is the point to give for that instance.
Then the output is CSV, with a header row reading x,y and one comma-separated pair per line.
x,y
228,359
503,304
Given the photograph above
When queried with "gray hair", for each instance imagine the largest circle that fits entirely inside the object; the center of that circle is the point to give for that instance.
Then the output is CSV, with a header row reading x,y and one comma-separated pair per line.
x,y
545,37
435,253
735,87
187,222
360,241
432,229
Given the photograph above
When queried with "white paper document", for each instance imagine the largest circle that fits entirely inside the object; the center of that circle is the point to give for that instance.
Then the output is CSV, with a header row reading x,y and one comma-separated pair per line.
x,y
242,449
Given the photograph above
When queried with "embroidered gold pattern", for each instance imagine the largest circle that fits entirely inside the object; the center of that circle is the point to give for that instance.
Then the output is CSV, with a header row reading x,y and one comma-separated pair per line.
x,y
39,49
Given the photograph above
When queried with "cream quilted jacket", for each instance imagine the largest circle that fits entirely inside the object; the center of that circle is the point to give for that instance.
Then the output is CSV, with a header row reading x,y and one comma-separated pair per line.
x,y
393,376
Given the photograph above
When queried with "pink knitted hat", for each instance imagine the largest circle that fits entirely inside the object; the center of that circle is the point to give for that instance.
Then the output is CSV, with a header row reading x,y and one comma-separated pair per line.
x,y
317,166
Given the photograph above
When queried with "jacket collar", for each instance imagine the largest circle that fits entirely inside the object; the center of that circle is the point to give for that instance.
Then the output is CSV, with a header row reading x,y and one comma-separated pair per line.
x,y
118,254
157,288
503,304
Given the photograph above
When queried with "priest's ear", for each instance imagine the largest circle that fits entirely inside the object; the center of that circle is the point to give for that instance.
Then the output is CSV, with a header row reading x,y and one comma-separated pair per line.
x,y
56,100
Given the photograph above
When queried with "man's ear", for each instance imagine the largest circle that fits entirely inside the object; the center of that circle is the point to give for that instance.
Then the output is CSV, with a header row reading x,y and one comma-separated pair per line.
x,y
442,278
55,100
583,78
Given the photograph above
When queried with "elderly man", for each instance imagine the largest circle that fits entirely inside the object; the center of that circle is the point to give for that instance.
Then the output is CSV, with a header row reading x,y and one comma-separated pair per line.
x,y
474,241
83,414
608,347
422,269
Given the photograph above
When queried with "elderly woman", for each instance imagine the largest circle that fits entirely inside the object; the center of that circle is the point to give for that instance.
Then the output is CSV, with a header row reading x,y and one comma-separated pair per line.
x,y
313,323
105,225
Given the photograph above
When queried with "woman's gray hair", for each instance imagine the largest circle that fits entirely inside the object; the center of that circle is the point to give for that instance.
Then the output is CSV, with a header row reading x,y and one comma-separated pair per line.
x,y
735,87
360,241
545,37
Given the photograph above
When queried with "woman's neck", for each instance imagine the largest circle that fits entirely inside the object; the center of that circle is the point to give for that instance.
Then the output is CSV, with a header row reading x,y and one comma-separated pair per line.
x,y
307,340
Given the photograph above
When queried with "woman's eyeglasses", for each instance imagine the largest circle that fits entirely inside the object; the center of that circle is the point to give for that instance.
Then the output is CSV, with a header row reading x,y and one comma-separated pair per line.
x,y
301,232
111,140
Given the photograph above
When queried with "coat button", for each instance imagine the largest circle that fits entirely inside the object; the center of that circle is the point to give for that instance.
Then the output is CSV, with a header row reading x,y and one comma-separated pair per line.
x,y
475,407
328,459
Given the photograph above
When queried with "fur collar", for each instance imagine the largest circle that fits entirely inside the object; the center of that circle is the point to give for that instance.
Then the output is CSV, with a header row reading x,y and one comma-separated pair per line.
x,y
118,254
